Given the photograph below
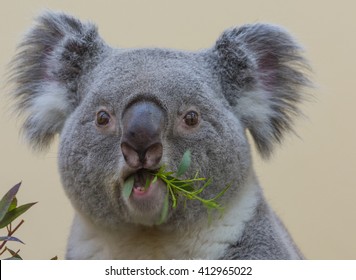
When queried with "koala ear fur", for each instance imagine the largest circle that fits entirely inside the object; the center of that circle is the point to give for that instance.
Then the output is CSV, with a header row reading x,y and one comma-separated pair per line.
x,y
46,70
262,73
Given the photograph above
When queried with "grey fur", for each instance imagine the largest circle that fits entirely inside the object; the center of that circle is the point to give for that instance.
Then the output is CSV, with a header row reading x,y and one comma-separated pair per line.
x,y
64,74
57,50
266,58
265,237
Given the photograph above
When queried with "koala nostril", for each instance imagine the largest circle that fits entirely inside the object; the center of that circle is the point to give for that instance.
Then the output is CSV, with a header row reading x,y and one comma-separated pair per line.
x,y
146,159
153,155
131,156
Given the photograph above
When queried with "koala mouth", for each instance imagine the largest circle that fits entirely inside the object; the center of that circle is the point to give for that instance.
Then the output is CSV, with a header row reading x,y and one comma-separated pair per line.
x,y
142,182
143,185
146,199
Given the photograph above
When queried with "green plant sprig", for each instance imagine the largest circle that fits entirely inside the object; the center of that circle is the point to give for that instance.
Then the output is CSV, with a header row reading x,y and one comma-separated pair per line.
x,y
185,187
9,211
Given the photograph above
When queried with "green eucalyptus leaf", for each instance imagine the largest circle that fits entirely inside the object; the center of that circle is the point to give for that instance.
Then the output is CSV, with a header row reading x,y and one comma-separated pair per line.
x,y
15,256
148,183
128,186
13,259
7,200
154,179
184,164
13,214
13,204
10,238
164,212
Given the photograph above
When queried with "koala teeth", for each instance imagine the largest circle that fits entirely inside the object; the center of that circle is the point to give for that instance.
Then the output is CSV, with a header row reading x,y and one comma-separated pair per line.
x,y
140,188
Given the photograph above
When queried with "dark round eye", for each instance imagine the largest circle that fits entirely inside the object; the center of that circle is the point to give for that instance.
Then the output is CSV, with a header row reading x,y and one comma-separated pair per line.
x,y
102,118
191,118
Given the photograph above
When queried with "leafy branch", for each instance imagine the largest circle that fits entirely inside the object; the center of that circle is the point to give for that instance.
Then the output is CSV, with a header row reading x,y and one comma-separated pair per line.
x,y
185,187
9,211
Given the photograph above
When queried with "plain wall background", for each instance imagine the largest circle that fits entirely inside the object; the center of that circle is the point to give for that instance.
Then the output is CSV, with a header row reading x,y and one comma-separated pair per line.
x,y
310,181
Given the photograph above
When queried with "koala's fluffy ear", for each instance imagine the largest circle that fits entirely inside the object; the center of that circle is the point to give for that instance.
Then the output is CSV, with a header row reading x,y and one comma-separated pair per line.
x,y
262,73
46,71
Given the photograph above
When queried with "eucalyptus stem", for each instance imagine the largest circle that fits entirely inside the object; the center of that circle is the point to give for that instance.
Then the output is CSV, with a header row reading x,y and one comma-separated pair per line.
x,y
11,233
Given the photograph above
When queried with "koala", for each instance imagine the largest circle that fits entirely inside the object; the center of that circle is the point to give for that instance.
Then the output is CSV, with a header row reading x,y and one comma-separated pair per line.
x,y
127,112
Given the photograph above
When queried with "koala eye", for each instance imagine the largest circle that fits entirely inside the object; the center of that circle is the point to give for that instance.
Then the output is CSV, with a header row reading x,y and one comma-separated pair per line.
x,y
102,118
191,118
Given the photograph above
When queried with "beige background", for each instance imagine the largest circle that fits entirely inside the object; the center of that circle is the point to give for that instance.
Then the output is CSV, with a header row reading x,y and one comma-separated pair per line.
x,y
310,181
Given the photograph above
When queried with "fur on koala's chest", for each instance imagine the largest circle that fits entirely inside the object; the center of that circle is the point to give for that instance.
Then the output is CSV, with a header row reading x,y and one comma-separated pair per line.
x,y
201,241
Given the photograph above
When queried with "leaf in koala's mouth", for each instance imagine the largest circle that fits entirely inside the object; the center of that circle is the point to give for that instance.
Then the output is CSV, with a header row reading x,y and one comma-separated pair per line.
x,y
128,186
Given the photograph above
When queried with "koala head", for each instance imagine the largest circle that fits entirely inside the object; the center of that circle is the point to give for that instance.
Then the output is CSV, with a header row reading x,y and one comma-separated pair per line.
x,y
123,112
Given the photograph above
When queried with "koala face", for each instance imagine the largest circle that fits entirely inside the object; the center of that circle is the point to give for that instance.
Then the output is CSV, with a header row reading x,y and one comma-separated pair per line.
x,y
133,122
123,113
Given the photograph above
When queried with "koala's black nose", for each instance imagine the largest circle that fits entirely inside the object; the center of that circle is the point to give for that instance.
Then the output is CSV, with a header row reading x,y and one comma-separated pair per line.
x,y
141,143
